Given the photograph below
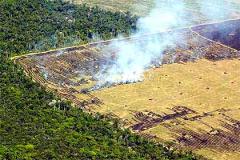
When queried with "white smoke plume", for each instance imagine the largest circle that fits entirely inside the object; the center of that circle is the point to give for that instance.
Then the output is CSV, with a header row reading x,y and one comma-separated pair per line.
x,y
216,9
132,58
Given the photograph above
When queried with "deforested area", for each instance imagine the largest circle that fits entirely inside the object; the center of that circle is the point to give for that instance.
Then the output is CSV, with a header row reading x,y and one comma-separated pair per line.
x,y
142,7
227,33
80,66
182,72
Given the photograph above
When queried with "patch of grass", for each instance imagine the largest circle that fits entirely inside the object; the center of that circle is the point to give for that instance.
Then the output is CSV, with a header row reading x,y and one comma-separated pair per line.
x,y
138,7
143,7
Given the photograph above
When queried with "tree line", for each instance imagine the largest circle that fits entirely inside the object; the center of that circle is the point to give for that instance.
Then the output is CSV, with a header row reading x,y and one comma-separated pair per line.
x,y
39,25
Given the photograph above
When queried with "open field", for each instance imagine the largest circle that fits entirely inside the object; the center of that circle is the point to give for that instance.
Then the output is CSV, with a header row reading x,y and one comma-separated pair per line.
x,y
138,7
143,7
192,100
194,104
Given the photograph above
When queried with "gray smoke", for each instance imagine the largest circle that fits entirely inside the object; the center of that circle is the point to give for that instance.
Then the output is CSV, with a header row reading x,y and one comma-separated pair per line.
x,y
216,9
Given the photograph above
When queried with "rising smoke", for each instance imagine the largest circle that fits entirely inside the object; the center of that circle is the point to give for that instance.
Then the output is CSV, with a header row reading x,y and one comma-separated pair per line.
x,y
216,9
132,58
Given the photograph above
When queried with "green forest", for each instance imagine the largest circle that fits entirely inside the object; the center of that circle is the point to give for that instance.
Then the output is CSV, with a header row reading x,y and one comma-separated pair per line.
x,y
30,127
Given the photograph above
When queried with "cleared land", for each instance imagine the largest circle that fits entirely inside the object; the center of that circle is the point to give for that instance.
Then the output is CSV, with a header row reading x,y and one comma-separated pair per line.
x,y
195,105
193,10
192,102
138,7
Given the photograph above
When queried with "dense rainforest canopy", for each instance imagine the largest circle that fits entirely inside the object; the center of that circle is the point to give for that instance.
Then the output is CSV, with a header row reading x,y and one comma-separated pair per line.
x,y
38,25
29,127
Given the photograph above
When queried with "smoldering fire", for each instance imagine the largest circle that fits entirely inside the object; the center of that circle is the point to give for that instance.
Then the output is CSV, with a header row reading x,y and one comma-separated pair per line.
x,y
133,58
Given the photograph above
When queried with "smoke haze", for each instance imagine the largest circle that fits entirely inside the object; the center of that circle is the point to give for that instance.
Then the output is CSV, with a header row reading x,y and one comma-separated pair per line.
x,y
132,58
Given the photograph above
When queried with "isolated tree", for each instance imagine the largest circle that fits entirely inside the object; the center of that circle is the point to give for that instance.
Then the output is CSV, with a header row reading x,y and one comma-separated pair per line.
x,y
60,38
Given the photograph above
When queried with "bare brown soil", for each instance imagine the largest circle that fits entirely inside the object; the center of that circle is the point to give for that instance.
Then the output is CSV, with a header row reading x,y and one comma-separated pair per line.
x,y
226,139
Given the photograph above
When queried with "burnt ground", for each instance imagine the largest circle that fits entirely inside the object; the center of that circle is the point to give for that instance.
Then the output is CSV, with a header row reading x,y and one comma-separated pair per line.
x,y
225,139
61,67
227,33
150,119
